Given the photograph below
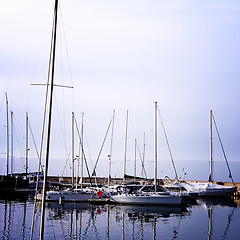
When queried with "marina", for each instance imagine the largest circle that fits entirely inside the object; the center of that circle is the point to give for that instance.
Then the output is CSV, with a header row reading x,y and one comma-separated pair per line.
x,y
93,158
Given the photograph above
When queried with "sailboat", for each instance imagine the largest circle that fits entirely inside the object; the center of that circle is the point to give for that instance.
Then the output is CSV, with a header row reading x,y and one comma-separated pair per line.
x,y
72,194
210,189
152,197
11,183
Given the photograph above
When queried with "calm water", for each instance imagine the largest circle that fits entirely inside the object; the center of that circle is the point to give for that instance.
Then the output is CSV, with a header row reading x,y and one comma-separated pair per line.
x,y
206,219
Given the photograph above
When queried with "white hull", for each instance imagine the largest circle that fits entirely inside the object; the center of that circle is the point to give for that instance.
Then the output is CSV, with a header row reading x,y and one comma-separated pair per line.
x,y
210,189
66,196
150,199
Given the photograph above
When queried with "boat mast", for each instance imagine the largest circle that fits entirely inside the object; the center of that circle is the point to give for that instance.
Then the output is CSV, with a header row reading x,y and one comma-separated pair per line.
x,y
82,154
211,150
27,143
72,149
135,160
49,122
125,153
110,155
155,140
143,155
7,145
11,142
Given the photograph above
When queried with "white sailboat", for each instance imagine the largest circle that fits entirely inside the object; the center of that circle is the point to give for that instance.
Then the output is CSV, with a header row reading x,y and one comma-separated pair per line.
x,y
153,197
146,194
71,194
209,189
148,198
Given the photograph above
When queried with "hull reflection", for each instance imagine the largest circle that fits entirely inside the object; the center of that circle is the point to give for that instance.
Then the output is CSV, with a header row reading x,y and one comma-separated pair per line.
x,y
160,211
214,202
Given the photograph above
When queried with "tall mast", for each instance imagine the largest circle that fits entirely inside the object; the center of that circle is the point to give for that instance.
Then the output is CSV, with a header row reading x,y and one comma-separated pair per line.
x,y
7,133
52,55
72,149
143,159
155,141
211,150
27,143
135,160
7,144
11,142
110,155
125,153
82,154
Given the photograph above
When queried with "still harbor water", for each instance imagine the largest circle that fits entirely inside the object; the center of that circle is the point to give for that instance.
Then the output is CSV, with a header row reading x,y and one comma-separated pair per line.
x,y
203,219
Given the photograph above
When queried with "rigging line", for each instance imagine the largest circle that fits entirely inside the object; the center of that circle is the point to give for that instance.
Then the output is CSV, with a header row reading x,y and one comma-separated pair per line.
x,y
46,95
88,149
105,137
69,65
16,136
34,142
62,125
65,166
37,63
90,156
170,152
140,155
84,156
230,174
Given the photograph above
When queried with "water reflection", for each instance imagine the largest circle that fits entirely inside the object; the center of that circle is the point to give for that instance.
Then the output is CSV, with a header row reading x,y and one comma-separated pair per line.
x,y
145,214
212,205
216,202
148,212
129,221
209,219
13,215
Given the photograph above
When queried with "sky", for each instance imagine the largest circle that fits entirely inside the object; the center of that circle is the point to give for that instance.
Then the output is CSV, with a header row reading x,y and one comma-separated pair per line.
x,y
124,56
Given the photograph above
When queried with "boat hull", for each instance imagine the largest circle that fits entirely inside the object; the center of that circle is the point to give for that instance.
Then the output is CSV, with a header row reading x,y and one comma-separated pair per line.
x,y
12,184
210,189
66,196
227,192
149,200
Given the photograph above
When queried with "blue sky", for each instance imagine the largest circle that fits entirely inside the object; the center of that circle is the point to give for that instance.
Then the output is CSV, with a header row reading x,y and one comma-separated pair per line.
x,y
125,55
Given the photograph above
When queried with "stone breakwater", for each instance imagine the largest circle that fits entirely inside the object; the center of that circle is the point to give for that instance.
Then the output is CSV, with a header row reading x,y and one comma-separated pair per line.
x,y
104,180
